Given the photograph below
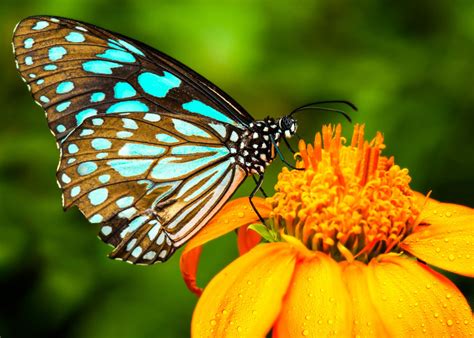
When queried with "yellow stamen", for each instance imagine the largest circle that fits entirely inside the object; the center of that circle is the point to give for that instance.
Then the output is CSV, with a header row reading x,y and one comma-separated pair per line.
x,y
349,202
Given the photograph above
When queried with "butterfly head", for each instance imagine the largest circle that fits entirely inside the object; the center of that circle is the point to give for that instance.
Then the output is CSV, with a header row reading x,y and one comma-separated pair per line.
x,y
288,126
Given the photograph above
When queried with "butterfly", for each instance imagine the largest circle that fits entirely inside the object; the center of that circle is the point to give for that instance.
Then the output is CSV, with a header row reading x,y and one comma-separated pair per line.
x,y
149,149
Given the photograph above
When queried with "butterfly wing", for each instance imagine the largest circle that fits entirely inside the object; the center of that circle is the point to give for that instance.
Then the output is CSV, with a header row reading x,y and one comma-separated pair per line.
x,y
75,70
145,142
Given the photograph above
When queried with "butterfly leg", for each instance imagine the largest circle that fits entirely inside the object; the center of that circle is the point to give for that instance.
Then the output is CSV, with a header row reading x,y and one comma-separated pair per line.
x,y
261,189
252,194
283,159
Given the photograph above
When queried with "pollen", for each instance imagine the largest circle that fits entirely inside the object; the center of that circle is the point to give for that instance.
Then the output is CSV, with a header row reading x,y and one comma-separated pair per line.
x,y
348,201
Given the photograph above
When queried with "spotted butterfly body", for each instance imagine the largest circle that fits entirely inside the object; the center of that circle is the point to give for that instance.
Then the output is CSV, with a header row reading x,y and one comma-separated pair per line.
x,y
149,148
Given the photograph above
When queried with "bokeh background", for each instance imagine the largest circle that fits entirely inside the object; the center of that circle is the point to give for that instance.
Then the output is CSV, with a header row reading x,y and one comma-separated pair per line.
x,y
407,64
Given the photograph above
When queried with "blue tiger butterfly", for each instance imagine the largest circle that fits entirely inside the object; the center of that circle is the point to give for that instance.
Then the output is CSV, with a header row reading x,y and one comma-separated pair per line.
x,y
148,148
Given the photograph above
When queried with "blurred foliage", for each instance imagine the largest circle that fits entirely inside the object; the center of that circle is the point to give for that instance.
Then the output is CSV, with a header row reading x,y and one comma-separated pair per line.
x,y
407,64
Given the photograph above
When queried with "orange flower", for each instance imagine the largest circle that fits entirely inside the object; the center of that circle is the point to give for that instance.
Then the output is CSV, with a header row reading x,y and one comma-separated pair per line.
x,y
345,252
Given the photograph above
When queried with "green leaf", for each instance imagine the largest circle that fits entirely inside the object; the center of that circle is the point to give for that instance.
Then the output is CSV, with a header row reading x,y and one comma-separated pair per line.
x,y
267,234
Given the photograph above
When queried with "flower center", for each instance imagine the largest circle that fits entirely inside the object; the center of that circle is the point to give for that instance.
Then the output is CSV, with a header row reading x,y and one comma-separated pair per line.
x,y
349,201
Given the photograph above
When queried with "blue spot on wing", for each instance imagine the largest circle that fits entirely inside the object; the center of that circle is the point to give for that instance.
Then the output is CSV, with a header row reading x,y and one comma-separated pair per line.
x,y
64,87
127,106
117,55
56,53
156,85
100,66
97,97
131,47
189,129
137,149
75,37
129,168
174,167
196,106
98,196
101,144
82,115
123,90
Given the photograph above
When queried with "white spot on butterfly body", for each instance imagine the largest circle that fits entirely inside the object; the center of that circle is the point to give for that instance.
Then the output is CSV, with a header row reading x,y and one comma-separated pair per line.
x,y
163,254
54,20
160,239
81,28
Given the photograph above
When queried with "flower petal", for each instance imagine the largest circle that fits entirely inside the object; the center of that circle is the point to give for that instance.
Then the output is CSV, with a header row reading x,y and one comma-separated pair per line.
x,y
247,239
234,214
417,301
317,303
367,320
245,298
445,237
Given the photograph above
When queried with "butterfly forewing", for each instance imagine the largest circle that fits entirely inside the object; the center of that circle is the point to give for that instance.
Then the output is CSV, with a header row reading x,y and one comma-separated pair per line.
x,y
143,139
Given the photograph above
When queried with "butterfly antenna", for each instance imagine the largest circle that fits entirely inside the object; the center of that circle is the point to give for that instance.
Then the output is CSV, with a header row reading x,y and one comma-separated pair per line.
x,y
314,106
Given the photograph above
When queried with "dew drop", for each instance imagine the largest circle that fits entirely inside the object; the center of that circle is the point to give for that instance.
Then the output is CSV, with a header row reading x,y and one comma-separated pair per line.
x,y
305,332
436,314
224,312
451,257
240,295
448,214
330,321
438,250
239,328
399,316
446,240
448,295
240,214
307,317
254,312
320,322
213,322
249,282
449,322
466,322
428,286
331,299
226,221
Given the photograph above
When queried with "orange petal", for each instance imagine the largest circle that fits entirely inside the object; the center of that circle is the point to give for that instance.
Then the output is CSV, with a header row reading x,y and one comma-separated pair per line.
x,y
415,301
366,321
317,303
234,214
245,298
247,239
445,237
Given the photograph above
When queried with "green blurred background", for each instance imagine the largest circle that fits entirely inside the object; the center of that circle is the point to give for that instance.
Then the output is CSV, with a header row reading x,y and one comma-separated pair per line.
x,y
407,64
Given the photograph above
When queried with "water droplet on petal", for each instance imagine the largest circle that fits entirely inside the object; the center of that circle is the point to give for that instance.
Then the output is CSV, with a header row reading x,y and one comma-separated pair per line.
x,y
436,314
451,257
437,249
308,317
449,322
448,295
249,282
224,312
239,328
446,240
240,214
448,214
213,322
428,286
399,316
305,332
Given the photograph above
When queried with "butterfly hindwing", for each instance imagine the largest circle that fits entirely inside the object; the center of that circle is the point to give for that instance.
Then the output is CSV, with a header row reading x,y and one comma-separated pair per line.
x,y
150,179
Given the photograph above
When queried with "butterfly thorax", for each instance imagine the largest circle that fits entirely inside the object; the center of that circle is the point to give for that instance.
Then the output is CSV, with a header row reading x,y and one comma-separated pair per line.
x,y
257,147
